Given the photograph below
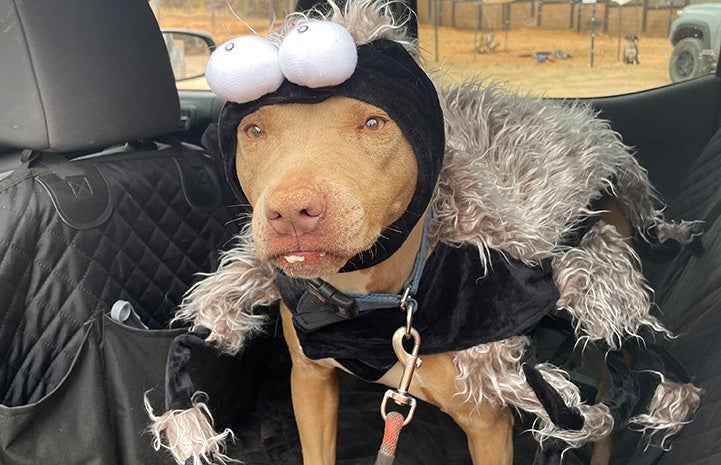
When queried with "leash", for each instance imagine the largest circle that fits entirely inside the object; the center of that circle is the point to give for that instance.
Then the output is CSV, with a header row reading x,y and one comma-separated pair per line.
x,y
393,424
395,421
350,306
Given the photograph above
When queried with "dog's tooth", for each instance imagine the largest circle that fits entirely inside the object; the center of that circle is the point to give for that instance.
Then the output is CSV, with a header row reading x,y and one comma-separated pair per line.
x,y
294,259
321,254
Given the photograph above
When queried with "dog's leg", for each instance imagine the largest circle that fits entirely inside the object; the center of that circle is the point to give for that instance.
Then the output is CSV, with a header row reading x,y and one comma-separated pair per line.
x,y
489,428
615,217
603,448
314,390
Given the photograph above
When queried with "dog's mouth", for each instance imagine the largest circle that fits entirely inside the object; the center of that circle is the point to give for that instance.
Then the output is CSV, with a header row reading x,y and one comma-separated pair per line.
x,y
301,257
308,263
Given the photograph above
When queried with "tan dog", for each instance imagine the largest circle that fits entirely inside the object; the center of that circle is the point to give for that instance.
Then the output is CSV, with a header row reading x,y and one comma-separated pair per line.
x,y
324,180
337,184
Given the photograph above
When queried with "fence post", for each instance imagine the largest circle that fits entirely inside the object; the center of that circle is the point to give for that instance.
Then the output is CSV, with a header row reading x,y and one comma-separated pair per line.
x,y
580,16
212,17
606,5
644,16
436,20
479,15
593,32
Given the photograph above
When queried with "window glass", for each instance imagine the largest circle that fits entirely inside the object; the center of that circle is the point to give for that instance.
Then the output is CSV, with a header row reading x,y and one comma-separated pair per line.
x,y
550,48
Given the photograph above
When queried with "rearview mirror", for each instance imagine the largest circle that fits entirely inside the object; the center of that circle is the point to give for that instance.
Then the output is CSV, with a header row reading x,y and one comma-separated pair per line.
x,y
188,51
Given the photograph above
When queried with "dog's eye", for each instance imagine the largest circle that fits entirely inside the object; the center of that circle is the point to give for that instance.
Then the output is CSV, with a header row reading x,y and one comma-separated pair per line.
x,y
253,130
374,123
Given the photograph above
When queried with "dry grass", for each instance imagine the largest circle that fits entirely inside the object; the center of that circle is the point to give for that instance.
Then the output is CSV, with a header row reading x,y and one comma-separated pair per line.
x,y
509,62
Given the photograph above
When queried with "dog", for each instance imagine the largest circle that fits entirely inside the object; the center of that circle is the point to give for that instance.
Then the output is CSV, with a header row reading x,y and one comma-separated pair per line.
x,y
630,52
316,218
313,216
406,192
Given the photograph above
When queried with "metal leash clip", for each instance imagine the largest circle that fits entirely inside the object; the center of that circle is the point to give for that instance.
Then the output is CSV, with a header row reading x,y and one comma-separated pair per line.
x,y
410,362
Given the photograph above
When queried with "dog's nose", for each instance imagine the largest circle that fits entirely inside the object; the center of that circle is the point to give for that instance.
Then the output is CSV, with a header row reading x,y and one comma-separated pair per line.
x,y
296,211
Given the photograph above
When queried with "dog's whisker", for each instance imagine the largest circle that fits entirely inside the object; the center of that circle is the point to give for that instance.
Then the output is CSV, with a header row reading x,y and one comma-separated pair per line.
x,y
232,11
227,32
239,220
394,229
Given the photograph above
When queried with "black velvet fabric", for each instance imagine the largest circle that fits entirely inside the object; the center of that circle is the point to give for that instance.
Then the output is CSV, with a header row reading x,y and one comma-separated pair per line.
x,y
622,398
388,77
559,413
655,251
550,453
458,308
179,386
632,387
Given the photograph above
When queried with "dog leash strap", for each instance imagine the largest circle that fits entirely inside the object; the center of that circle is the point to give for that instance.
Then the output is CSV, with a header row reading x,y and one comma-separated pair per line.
x,y
393,425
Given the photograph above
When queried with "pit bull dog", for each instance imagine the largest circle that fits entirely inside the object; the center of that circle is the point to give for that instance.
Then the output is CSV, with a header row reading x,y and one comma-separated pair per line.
x,y
385,207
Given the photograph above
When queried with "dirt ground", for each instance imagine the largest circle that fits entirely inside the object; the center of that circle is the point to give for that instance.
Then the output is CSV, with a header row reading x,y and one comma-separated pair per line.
x,y
571,77
510,62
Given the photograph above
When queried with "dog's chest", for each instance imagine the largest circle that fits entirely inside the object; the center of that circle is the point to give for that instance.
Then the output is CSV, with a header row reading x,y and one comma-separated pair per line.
x,y
459,306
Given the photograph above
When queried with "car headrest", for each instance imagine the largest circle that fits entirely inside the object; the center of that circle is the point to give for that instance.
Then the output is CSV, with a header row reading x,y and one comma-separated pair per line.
x,y
83,74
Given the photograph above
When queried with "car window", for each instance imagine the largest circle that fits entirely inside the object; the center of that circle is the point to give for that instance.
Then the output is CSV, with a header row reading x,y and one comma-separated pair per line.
x,y
550,48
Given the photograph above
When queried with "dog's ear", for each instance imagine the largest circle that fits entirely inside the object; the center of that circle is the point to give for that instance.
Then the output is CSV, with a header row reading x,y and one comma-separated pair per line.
x,y
403,11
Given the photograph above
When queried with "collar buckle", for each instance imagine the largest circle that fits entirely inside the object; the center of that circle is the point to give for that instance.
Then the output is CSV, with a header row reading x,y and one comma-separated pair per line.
x,y
343,305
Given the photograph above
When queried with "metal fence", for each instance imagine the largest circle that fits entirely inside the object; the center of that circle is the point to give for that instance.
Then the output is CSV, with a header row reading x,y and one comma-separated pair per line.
x,y
652,17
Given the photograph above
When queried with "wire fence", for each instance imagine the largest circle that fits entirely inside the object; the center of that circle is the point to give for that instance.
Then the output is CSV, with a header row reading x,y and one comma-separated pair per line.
x,y
652,17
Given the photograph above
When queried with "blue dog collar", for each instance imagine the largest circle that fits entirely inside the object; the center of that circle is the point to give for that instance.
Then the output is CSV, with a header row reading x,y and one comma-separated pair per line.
x,y
351,305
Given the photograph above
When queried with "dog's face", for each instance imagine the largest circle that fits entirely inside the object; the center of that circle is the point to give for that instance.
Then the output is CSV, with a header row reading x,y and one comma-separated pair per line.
x,y
324,181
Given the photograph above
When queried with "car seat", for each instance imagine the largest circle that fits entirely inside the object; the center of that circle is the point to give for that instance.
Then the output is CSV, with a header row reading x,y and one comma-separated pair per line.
x,y
98,207
688,294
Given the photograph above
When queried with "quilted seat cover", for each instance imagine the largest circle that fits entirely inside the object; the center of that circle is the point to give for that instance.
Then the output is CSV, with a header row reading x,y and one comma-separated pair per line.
x,y
689,292
76,237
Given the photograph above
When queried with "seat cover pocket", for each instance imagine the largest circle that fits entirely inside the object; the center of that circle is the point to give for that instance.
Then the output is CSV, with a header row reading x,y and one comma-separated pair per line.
x,y
68,426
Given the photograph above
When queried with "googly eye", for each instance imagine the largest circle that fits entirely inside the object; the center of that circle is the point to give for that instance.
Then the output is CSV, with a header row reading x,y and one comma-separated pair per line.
x,y
244,69
318,54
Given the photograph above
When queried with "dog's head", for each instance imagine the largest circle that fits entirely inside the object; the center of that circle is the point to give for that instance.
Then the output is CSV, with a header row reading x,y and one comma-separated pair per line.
x,y
337,169
325,180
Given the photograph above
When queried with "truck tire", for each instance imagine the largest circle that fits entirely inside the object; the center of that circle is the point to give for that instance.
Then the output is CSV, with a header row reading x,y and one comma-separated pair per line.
x,y
686,60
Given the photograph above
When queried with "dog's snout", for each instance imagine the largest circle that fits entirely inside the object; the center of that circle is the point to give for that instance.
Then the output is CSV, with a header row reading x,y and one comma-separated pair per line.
x,y
296,211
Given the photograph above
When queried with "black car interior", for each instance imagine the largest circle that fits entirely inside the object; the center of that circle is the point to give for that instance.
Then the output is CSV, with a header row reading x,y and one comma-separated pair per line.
x,y
99,204
106,204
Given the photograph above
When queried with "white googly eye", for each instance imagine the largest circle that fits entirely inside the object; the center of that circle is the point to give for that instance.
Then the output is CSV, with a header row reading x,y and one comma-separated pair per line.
x,y
244,69
318,54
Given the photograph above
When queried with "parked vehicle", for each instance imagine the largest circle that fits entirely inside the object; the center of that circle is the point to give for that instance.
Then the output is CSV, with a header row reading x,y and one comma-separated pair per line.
x,y
696,36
